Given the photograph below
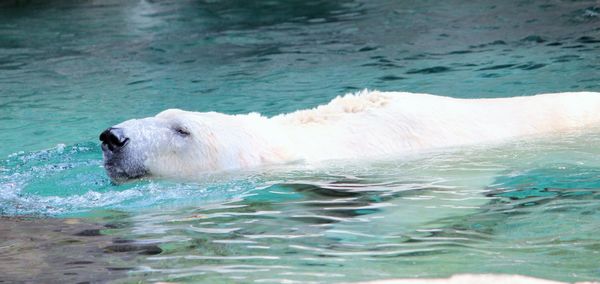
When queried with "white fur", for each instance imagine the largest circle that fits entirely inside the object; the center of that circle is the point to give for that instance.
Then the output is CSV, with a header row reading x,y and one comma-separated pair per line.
x,y
363,125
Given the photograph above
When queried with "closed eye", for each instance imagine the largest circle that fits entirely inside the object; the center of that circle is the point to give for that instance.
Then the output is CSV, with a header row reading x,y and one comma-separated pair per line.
x,y
181,131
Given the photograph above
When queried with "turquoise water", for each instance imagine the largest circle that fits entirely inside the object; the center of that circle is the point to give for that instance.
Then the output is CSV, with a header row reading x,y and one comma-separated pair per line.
x,y
70,69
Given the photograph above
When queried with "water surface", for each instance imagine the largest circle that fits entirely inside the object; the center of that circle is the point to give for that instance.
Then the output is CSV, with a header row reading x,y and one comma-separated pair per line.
x,y
69,69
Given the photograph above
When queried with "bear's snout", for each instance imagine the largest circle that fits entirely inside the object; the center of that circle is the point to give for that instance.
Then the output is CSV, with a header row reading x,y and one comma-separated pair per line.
x,y
113,139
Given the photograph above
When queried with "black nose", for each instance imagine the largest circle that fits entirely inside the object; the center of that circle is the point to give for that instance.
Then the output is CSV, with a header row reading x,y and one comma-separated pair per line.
x,y
113,139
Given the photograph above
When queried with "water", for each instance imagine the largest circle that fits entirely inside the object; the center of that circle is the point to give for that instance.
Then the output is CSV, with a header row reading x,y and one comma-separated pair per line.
x,y
69,69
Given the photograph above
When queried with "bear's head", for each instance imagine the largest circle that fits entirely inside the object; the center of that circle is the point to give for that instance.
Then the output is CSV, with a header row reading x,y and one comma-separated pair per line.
x,y
168,144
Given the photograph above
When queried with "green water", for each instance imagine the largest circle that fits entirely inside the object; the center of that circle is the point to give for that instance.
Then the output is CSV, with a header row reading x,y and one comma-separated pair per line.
x,y
69,69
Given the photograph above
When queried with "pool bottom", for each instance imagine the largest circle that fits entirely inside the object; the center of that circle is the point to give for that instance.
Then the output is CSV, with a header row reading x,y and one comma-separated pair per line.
x,y
44,250
51,250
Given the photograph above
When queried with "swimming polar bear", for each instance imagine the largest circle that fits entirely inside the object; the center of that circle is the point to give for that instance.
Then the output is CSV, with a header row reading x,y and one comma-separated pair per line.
x,y
368,124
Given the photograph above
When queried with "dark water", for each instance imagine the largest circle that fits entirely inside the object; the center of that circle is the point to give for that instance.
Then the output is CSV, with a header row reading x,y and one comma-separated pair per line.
x,y
69,69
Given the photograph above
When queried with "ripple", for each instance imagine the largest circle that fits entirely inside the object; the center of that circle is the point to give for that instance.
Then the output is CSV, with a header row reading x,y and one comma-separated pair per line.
x,y
531,66
566,58
588,39
213,230
589,14
390,78
534,39
496,67
267,236
430,70
208,257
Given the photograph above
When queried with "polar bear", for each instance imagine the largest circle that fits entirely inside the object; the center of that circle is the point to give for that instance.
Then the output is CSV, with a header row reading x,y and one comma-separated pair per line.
x,y
367,124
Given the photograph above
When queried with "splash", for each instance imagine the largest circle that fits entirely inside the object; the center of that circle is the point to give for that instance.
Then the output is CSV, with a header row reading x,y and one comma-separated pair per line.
x,y
70,180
